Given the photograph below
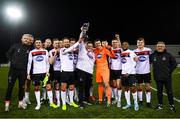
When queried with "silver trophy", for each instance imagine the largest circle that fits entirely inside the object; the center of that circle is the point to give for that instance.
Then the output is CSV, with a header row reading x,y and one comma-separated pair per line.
x,y
84,30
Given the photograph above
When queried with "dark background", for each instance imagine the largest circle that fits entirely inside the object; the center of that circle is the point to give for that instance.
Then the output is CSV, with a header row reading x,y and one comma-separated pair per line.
x,y
150,19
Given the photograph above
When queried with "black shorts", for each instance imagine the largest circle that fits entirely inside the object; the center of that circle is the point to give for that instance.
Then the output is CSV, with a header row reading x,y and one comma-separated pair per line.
x,y
129,81
115,74
67,77
37,78
55,77
143,78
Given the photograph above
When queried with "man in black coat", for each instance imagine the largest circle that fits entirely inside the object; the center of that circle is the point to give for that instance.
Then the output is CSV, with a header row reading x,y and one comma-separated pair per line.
x,y
163,64
18,57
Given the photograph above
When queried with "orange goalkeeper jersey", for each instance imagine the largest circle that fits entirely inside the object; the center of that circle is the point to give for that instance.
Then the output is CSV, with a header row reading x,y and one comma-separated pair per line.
x,y
101,57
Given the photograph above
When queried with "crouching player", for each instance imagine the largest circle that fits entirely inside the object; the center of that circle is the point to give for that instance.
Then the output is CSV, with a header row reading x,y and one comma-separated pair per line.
x,y
39,58
128,60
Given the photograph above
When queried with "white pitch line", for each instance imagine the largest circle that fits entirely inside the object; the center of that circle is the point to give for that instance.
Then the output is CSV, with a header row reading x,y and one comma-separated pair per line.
x,y
177,100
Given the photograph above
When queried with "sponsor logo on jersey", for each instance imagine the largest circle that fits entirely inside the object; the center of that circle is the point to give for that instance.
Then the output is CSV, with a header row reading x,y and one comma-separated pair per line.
x,y
142,58
123,60
99,56
70,57
39,58
116,56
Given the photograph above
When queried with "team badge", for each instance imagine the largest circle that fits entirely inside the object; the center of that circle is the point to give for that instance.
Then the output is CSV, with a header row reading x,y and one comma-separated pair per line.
x,y
154,59
164,58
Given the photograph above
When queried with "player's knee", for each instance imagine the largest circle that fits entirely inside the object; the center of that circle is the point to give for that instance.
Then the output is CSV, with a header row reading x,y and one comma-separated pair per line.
x,y
48,87
133,89
37,88
126,88
114,85
140,89
71,87
119,87
106,84
57,86
148,89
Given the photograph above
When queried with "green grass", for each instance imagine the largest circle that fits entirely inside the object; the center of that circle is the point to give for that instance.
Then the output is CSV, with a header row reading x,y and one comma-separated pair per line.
x,y
94,111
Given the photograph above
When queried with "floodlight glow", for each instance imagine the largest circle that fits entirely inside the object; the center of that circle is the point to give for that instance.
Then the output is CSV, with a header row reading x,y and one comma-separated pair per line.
x,y
14,12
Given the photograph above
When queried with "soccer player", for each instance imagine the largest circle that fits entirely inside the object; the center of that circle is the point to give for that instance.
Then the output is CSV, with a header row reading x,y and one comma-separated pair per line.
x,y
143,74
54,60
48,46
102,70
128,60
67,75
40,59
75,59
18,57
115,72
85,66
28,82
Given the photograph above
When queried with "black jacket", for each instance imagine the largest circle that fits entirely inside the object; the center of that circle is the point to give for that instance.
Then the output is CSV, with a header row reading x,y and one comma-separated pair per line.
x,y
163,65
18,56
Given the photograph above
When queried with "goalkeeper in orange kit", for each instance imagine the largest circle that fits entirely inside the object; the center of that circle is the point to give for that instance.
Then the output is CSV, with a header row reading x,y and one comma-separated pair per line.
x,y
102,70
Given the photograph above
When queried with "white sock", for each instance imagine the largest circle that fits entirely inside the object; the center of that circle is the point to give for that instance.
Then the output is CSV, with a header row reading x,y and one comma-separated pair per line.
x,y
37,94
57,96
135,97
115,93
44,93
148,97
20,102
63,97
140,95
91,91
50,96
26,95
112,92
7,103
119,95
67,94
75,92
71,95
127,96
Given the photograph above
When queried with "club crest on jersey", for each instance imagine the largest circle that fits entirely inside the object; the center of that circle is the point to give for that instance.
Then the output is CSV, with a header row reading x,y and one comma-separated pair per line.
x,y
123,60
116,56
142,58
164,58
70,57
57,59
89,55
99,56
39,58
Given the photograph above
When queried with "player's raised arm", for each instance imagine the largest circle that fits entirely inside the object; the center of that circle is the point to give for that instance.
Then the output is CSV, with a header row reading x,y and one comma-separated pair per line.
x,y
110,52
